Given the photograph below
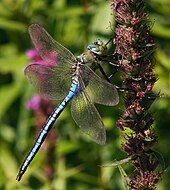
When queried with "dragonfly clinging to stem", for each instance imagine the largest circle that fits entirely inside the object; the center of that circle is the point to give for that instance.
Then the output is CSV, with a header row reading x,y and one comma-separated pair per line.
x,y
69,78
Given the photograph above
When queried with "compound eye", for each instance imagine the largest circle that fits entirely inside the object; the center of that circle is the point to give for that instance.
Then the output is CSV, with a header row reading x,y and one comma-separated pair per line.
x,y
98,42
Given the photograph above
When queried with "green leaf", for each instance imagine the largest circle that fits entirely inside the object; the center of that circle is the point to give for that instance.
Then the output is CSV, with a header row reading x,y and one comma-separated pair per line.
x,y
8,94
118,163
167,169
66,147
101,20
125,177
160,159
12,25
7,133
8,162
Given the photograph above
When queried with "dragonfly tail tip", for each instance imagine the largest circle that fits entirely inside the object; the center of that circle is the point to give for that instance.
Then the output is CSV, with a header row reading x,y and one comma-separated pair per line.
x,y
19,176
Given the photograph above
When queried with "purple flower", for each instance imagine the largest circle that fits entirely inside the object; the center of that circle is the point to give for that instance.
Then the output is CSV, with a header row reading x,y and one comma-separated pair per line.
x,y
33,103
34,57
134,49
37,102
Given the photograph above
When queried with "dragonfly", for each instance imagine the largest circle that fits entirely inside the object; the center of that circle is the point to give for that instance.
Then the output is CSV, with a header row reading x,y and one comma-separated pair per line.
x,y
68,78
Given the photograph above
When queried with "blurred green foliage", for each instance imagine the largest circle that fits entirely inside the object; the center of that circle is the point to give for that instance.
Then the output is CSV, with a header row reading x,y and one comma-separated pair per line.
x,y
75,24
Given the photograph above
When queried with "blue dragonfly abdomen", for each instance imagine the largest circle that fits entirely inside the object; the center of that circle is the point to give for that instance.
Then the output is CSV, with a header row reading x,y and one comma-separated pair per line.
x,y
69,78
46,128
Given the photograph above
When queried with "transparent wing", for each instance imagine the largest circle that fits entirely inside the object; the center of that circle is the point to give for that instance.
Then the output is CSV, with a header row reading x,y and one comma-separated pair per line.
x,y
50,50
87,117
52,83
100,91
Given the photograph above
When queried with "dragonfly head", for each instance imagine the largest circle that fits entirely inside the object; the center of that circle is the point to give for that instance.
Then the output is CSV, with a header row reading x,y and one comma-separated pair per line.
x,y
98,47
